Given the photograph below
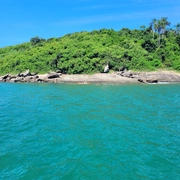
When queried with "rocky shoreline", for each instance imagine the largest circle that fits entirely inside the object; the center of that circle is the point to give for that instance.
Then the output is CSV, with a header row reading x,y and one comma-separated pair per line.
x,y
152,77
120,77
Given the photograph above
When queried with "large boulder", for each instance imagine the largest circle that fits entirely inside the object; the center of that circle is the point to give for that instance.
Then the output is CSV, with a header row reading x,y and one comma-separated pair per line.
x,y
12,76
142,80
28,78
52,75
12,80
40,80
148,80
9,77
5,76
127,74
152,80
17,79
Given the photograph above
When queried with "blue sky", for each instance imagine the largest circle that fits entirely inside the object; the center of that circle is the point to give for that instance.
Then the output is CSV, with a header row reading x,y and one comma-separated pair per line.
x,y
23,19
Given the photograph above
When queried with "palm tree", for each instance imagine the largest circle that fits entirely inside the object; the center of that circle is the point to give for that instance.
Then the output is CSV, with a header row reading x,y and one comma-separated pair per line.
x,y
153,25
160,27
164,23
177,26
159,30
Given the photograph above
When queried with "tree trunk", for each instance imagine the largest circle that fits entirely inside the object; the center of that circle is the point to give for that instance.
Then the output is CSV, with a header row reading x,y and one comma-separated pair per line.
x,y
162,36
159,38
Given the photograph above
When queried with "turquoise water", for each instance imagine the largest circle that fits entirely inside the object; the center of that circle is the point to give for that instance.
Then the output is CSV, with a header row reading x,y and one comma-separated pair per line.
x,y
99,132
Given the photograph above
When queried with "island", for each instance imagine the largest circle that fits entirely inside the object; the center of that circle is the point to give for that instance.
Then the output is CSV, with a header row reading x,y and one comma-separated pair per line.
x,y
147,55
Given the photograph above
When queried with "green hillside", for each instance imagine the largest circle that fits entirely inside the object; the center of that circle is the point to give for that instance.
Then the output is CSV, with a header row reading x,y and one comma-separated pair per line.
x,y
88,52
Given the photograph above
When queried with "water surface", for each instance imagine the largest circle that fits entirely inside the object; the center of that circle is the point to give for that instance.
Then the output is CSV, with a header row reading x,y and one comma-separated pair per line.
x,y
69,131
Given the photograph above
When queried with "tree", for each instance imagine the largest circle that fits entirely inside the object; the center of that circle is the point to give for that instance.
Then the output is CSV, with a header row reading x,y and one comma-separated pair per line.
x,y
177,26
153,25
161,25
36,40
149,46
54,62
164,23
159,30
178,40
143,27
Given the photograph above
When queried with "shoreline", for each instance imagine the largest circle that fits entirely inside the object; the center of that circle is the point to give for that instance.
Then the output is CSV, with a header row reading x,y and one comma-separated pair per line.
x,y
98,78
121,77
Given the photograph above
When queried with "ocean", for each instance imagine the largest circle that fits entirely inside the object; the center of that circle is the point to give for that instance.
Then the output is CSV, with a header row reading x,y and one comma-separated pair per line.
x,y
89,131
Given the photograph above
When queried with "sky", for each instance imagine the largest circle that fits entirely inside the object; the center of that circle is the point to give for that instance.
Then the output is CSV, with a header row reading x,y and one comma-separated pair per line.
x,y
20,20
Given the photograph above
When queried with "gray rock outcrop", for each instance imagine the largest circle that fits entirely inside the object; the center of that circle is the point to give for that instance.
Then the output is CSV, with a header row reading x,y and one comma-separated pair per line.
x,y
151,77
27,76
53,75
129,76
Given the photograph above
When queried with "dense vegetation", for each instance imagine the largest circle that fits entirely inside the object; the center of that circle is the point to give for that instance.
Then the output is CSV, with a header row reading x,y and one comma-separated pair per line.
x,y
88,52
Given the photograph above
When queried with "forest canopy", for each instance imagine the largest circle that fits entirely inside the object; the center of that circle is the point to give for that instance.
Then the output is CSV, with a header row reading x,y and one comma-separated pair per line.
x,y
156,46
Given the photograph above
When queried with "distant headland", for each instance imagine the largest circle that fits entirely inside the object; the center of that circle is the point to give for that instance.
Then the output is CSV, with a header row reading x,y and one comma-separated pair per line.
x,y
146,49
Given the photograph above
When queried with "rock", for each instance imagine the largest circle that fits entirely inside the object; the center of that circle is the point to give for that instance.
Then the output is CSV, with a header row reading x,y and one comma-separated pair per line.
x,y
123,68
106,69
28,78
12,76
18,79
41,77
35,77
53,75
12,80
152,80
2,80
58,71
142,80
5,76
18,75
127,74
148,80
34,74
39,80
135,76
120,73
9,77
55,80
124,72
26,73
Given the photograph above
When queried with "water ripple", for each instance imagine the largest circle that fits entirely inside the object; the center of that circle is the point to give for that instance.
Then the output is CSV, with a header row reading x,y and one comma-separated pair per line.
x,y
60,131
